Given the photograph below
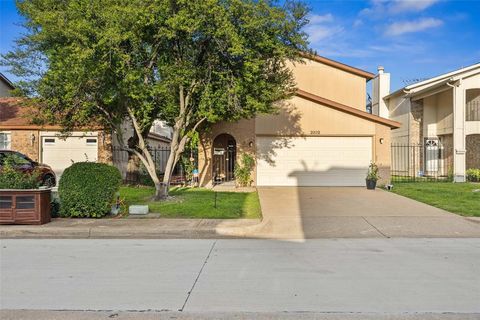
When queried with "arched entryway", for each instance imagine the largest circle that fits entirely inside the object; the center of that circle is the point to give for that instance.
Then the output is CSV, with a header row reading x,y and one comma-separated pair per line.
x,y
224,154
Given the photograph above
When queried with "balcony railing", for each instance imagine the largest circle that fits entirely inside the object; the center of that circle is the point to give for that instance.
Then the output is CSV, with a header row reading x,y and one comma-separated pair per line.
x,y
473,111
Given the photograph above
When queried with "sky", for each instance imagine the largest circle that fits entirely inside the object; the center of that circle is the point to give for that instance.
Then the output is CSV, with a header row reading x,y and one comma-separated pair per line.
x,y
411,39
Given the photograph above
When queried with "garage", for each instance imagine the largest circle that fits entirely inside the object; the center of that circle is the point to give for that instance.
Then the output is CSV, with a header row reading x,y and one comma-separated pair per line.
x,y
313,161
60,152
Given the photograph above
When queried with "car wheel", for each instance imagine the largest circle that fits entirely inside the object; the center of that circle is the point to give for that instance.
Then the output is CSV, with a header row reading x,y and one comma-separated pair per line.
x,y
49,181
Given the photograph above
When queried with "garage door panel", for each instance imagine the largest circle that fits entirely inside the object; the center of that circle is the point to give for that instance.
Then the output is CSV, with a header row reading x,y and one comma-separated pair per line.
x,y
314,161
60,153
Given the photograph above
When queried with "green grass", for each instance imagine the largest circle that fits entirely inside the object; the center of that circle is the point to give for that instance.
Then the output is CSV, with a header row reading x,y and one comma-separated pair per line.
x,y
454,197
196,203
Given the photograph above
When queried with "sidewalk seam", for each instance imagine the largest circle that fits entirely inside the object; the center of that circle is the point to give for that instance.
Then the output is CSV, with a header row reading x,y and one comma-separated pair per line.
x,y
198,276
378,230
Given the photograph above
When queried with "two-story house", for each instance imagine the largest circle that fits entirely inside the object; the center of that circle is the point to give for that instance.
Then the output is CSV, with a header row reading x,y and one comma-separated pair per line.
x,y
323,136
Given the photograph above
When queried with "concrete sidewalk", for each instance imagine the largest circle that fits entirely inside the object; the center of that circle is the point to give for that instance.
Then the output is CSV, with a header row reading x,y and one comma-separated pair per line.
x,y
159,228
448,226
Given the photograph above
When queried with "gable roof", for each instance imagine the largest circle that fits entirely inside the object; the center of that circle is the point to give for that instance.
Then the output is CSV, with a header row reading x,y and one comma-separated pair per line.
x,y
432,82
329,62
341,107
6,81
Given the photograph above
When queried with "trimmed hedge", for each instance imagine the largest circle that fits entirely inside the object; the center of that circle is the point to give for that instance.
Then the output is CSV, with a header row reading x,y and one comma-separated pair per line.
x,y
87,189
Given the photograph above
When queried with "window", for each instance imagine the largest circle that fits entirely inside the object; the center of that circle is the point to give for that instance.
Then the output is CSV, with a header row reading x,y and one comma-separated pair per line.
x,y
49,141
5,141
91,141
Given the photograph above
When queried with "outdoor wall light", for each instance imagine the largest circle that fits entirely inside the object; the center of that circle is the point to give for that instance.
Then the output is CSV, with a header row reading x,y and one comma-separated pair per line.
x,y
32,139
382,140
250,144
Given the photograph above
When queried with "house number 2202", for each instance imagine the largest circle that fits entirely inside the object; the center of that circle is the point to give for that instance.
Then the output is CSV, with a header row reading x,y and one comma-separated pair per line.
x,y
315,132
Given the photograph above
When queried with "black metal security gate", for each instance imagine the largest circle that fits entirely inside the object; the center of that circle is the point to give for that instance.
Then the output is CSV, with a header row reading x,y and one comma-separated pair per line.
x,y
224,157
430,161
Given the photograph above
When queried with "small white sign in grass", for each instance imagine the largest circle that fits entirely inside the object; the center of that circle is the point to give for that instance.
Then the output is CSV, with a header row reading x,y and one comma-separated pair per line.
x,y
138,209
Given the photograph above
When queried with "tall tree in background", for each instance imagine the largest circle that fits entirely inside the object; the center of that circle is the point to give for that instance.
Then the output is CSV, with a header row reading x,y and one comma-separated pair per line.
x,y
190,63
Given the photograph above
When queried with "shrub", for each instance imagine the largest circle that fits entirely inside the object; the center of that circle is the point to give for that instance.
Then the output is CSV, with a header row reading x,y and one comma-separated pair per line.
x,y
243,171
372,173
10,178
473,175
87,189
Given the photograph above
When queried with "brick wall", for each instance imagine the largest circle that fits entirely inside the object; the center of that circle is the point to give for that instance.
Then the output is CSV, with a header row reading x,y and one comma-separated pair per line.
x,y
473,151
26,142
105,147
416,122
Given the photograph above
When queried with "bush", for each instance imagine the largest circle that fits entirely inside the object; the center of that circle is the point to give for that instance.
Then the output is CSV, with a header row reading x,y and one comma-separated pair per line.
x,y
372,173
87,189
10,178
243,171
473,175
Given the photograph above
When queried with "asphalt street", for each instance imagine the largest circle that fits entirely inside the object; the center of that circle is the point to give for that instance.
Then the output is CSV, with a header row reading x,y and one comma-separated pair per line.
x,y
326,276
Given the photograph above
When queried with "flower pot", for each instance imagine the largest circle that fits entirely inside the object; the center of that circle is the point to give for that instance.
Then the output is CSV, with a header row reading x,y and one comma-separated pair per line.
x,y
371,184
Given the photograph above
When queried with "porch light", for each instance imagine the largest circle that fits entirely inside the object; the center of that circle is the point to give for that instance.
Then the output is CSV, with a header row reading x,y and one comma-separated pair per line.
x,y
382,140
32,139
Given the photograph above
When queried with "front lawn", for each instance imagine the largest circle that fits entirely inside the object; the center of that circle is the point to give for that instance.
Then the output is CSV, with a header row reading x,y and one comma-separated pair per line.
x,y
458,198
196,203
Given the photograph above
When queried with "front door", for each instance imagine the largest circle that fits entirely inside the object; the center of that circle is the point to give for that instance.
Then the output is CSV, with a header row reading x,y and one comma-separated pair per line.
x,y
224,156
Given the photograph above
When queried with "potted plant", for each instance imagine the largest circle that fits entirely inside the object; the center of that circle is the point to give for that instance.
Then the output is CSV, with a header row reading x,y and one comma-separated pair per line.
x,y
21,199
372,176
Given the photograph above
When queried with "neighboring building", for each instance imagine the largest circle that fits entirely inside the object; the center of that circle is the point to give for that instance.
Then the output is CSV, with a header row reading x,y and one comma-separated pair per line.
x,y
321,137
6,86
442,114
46,144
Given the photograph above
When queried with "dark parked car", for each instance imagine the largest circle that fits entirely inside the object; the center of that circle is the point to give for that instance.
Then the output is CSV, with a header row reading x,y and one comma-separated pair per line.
x,y
23,163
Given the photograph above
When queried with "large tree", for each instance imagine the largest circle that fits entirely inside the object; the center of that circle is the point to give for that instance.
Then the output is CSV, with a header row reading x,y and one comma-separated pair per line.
x,y
190,63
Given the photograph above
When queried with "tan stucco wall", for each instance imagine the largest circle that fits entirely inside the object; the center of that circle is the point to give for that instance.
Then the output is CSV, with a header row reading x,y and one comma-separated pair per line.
x,y
242,131
298,117
21,141
399,109
445,112
5,91
303,117
331,83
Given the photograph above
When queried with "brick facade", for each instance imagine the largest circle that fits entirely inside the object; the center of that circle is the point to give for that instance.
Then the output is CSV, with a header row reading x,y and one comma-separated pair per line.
x,y
447,144
105,147
473,151
416,122
26,142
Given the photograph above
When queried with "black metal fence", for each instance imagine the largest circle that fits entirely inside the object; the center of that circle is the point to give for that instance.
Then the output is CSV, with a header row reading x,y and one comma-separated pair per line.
x,y
430,161
133,171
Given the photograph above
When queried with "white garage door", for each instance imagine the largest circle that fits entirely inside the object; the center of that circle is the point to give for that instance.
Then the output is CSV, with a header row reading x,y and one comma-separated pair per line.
x,y
313,161
59,153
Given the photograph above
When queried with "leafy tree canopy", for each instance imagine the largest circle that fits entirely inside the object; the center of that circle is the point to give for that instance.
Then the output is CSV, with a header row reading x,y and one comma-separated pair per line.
x,y
187,62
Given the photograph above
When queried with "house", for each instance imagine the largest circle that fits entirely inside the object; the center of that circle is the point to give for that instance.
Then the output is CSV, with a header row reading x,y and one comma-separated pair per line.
x,y
6,86
321,137
47,144
441,114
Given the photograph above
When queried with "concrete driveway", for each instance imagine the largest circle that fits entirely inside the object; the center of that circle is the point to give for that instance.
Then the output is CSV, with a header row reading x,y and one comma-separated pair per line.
x,y
345,212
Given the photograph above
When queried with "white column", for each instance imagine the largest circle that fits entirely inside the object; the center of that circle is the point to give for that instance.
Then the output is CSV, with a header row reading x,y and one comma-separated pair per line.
x,y
459,143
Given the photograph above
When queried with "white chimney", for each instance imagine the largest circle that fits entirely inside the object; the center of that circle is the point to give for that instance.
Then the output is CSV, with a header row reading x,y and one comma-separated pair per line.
x,y
380,89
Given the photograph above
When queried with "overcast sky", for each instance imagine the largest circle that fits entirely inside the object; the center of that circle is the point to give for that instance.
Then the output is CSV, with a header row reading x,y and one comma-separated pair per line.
x,y
413,39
